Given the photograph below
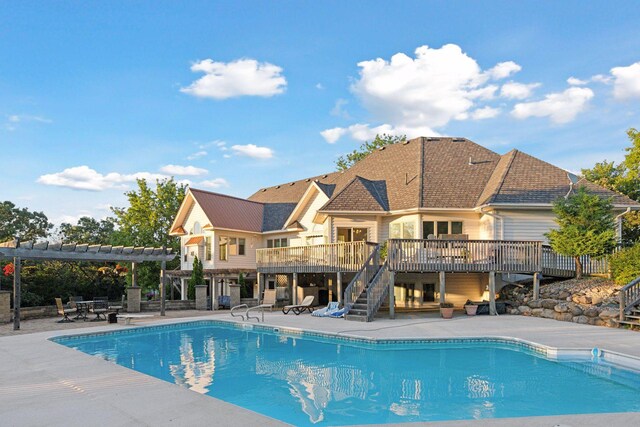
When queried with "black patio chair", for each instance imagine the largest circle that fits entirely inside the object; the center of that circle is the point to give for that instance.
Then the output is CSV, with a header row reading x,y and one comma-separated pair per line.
x,y
100,308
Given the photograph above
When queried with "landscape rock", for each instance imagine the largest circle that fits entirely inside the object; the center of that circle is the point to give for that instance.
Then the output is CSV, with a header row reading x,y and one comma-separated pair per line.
x,y
548,303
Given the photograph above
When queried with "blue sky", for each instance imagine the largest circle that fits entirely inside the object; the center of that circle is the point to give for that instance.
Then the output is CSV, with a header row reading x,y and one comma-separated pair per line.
x,y
234,96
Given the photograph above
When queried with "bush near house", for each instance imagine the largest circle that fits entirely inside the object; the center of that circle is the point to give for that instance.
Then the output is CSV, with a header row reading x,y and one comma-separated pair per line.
x,y
625,265
197,278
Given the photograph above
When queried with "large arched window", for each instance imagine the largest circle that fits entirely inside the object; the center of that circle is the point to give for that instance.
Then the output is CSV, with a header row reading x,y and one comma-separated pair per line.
x,y
196,228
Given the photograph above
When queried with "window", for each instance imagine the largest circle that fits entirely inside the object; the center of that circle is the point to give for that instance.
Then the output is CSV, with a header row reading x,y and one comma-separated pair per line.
x,y
402,230
437,228
196,229
277,243
207,248
223,248
237,246
352,234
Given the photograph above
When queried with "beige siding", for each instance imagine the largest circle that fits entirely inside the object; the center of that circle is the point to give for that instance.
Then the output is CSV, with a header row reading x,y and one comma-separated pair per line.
x,y
195,215
310,228
252,242
486,230
459,288
527,225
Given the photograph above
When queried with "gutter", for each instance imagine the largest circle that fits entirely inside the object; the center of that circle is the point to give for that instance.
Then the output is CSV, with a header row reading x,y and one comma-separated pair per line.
x,y
618,220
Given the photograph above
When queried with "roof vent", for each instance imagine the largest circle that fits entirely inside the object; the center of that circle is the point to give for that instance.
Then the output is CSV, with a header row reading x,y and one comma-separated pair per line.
x,y
406,142
324,176
433,138
307,180
292,183
382,148
264,189
277,186
457,139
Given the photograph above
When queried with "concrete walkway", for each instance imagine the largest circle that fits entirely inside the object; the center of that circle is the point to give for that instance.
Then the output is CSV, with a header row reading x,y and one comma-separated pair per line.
x,y
43,383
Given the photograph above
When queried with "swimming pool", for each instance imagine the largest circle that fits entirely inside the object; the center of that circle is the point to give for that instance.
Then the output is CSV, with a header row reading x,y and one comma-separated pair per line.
x,y
309,379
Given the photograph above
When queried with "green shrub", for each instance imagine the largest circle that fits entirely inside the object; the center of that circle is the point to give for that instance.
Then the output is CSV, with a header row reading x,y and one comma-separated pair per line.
x,y
625,265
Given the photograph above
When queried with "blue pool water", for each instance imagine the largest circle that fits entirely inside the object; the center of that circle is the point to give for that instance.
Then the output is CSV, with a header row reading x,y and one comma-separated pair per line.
x,y
307,380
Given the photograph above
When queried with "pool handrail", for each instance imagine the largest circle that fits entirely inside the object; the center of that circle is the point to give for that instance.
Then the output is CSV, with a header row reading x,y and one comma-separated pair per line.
x,y
239,307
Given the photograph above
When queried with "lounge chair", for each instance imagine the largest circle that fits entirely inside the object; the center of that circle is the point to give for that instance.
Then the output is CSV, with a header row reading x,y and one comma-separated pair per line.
x,y
64,312
300,308
100,308
326,311
268,299
338,313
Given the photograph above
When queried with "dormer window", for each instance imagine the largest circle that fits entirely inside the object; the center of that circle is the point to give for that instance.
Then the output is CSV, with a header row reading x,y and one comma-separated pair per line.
x,y
197,229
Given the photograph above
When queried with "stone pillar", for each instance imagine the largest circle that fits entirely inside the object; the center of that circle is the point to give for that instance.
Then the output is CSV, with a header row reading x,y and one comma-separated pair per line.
x,y
5,306
234,294
201,297
392,298
17,293
214,293
339,288
441,279
492,293
133,299
536,286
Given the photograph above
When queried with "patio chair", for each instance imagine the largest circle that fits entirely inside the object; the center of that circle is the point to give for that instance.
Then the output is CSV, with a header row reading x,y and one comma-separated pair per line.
x,y
100,308
224,301
72,304
326,311
300,308
117,308
64,312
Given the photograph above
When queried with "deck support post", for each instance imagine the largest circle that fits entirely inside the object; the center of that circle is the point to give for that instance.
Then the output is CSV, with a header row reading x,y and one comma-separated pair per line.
x,y
261,279
492,293
536,286
163,283
392,299
17,293
294,288
441,280
339,287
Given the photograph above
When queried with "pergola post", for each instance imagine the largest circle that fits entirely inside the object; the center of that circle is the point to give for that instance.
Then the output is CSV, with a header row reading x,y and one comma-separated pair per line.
x,y
163,291
295,288
134,292
16,293
214,293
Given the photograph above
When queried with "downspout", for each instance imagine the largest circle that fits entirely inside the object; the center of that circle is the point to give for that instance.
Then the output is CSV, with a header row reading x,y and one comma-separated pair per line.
x,y
498,218
619,223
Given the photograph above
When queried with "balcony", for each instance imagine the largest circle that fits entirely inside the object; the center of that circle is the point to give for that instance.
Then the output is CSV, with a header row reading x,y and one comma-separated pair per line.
x,y
326,258
409,255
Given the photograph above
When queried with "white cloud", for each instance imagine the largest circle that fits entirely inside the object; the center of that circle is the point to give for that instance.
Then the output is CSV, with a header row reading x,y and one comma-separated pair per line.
x,y
574,81
338,109
365,132
183,170
13,121
485,113
215,183
626,81
243,77
601,78
197,155
320,86
251,150
226,156
410,94
85,178
560,107
503,70
514,90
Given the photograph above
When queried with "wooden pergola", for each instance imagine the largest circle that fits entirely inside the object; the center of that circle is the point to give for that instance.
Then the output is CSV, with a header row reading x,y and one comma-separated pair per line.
x,y
16,250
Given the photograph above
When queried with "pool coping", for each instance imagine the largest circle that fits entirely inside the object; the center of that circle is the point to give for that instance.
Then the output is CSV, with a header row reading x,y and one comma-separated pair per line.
x,y
614,358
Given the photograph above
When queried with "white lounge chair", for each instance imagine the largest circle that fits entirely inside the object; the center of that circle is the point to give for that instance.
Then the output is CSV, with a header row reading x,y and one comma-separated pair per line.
x,y
268,299
326,311
300,308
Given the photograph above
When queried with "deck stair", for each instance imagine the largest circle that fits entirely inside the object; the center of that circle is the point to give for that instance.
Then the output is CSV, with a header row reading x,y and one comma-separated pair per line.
x,y
629,299
368,289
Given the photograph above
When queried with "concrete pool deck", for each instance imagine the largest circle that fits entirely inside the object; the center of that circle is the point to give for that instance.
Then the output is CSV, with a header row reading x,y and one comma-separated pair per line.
x,y
43,383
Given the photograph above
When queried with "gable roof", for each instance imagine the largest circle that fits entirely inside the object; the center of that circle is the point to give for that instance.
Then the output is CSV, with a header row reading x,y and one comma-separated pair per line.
x,y
291,192
229,212
360,195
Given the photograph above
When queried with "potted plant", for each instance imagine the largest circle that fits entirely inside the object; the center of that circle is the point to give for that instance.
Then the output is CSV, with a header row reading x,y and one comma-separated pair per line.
x,y
470,308
446,310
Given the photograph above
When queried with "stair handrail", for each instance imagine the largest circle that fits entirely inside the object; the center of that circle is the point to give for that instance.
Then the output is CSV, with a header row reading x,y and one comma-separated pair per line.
x,y
377,290
629,296
362,278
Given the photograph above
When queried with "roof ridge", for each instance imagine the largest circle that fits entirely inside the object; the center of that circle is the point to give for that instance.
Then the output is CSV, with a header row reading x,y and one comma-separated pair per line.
x,y
503,175
379,198
224,195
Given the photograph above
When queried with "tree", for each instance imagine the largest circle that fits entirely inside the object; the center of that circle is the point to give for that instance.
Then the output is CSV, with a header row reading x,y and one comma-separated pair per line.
x,y
22,223
88,230
623,178
585,227
197,278
147,222
346,161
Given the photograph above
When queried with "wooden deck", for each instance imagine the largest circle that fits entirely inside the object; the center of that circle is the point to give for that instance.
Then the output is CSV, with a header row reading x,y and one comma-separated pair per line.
x,y
326,258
